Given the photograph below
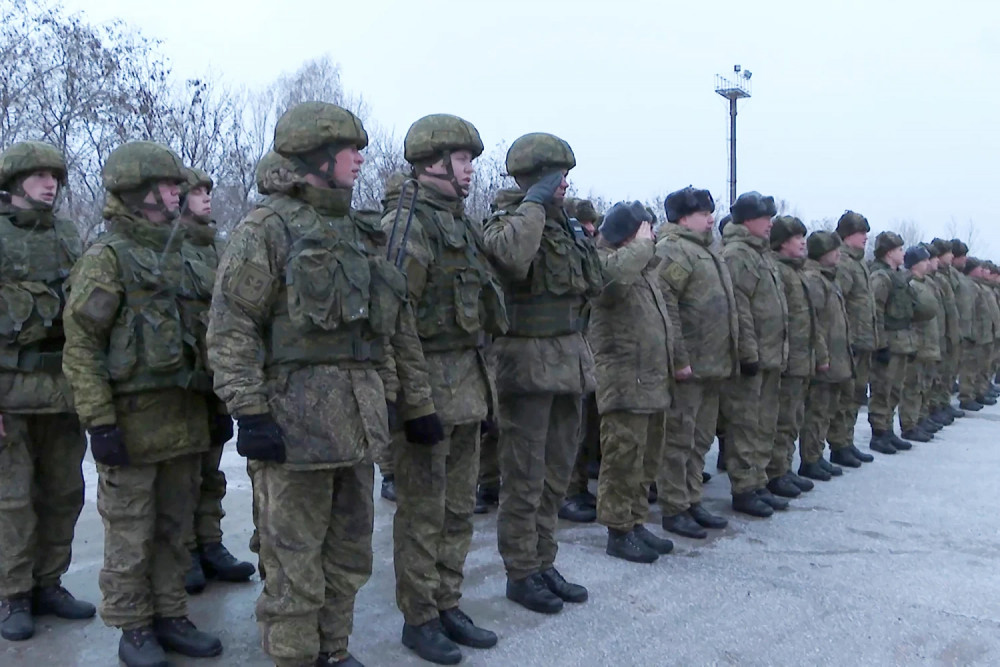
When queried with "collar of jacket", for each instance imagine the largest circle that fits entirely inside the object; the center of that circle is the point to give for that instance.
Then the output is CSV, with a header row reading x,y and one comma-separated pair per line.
x,y
199,233
735,233
856,254
329,202
153,235
796,263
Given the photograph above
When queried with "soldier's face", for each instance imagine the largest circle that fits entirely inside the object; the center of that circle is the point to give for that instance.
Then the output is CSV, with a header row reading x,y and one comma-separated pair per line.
x,y
759,227
170,195
346,166
701,221
560,194
933,264
41,186
946,259
794,247
894,257
461,166
959,262
857,240
920,268
831,258
199,202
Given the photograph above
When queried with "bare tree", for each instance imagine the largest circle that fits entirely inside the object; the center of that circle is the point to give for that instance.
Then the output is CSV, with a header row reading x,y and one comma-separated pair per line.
x,y
909,229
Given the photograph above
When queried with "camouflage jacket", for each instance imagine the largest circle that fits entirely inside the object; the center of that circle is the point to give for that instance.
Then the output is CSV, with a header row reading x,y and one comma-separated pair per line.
x,y
854,279
987,318
549,275
833,340
37,251
928,332
760,299
457,301
966,296
630,332
891,291
801,316
947,311
310,322
699,296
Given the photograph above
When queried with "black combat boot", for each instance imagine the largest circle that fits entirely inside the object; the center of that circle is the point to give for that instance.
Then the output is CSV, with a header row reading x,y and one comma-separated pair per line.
x,y
486,497
782,486
814,471
928,426
562,588
219,564
705,518
943,417
660,545
139,648
881,443
682,524
430,643
750,503
801,482
533,593
897,442
720,462
57,601
916,435
986,399
179,634
16,622
835,471
774,501
955,412
652,494
578,509
593,469
388,490
460,629
844,457
860,455
329,660
970,405
194,578
706,477
627,546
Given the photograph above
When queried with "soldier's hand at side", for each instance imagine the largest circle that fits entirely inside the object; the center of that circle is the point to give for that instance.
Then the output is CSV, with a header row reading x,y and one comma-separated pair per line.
x,y
749,368
108,446
684,373
883,356
260,439
427,430
823,368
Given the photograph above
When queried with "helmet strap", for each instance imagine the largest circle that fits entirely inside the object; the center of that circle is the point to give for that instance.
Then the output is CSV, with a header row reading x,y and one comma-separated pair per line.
x,y
136,202
421,169
35,204
310,163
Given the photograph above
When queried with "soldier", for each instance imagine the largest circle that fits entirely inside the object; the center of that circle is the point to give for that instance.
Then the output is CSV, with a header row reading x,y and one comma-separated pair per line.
x,y
41,442
699,298
897,341
131,359
544,365
788,241
631,336
834,360
925,327
458,304
854,280
988,319
304,306
209,558
929,408
966,298
948,369
752,421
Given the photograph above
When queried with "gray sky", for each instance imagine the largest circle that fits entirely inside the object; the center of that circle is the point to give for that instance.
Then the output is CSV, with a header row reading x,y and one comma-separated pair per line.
x,y
889,108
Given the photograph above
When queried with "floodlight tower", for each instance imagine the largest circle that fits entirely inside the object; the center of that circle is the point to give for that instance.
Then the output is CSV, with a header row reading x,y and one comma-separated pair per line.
x,y
733,90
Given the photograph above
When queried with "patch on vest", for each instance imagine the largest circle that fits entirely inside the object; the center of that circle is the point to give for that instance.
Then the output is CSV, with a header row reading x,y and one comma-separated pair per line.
x,y
676,275
100,306
250,286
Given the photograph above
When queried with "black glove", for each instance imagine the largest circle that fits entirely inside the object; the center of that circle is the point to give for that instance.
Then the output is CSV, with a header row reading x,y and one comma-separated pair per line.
x,y
882,356
220,430
426,430
749,368
260,439
487,426
108,446
543,190
393,411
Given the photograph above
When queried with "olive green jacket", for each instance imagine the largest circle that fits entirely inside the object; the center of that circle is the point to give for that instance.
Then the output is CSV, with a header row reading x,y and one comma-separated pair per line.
x,y
801,318
928,332
899,341
854,279
833,339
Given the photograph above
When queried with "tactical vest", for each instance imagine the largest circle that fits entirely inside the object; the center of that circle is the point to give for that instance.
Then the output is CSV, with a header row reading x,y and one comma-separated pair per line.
x,y
151,347
340,296
201,261
900,303
462,301
552,299
34,264
924,306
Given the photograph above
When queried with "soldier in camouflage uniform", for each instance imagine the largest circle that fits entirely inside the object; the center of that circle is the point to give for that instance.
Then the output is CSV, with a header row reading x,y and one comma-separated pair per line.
x,y
209,558
41,442
929,408
752,421
967,298
945,412
131,359
309,330
699,298
925,327
987,318
544,365
631,336
458,304
788,241
897,341
854,280
834,362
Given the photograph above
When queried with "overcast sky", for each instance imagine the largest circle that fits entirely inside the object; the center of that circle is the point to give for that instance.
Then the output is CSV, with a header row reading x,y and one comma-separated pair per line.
x,y
889,108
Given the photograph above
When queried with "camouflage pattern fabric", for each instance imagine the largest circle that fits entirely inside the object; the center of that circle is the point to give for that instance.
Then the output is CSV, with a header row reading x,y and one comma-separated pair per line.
x,y
845,416
256,486
887,387
621,486
211,489
590,448
914,400
689,433
751,414
820,404
384,458
791,413
489,464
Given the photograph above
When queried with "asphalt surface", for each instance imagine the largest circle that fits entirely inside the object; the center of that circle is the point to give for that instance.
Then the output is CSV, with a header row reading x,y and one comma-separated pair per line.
x,y
892,564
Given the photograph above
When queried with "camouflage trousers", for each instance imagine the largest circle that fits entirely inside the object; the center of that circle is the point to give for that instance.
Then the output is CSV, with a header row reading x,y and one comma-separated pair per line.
x,y
41,495
316,547
147,511
432,529
689,432
211,489
791,413
974,358
821,401
944,376
914,404
632,446
590,447
384,460
253,472
751,415
887,382
538,443
489,464
846,414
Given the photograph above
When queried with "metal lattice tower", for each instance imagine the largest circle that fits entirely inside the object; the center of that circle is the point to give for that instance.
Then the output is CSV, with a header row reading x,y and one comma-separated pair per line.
x,y
732,90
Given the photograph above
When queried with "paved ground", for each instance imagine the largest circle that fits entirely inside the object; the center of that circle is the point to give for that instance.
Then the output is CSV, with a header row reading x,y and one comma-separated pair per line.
x,y
893,564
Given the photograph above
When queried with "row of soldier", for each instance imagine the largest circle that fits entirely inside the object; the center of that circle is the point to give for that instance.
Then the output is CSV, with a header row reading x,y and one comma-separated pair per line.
x,y
329,344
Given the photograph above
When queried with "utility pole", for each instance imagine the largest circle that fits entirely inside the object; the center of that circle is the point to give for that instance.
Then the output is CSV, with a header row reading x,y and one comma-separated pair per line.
x,y
733,90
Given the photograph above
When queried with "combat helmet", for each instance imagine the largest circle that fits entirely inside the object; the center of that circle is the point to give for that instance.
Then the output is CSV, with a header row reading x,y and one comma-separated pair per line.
x,y
436,136
26,157
537,152
132,170
311,134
